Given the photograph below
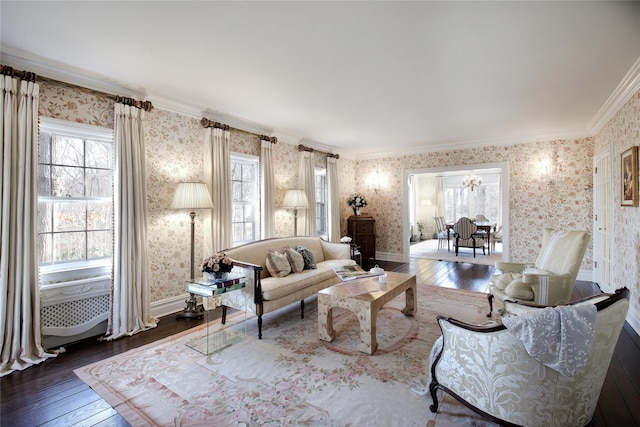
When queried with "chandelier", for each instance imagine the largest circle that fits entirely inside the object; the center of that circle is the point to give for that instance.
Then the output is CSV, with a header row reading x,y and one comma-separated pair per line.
x,y
471,181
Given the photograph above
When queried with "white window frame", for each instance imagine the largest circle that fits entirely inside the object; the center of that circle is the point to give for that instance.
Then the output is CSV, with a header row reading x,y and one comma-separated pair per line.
x,y
52,274
255,201
321,208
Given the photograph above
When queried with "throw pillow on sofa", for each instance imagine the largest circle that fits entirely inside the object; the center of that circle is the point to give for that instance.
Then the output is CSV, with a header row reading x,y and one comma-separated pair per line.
x,y
277,264
309,258
296,260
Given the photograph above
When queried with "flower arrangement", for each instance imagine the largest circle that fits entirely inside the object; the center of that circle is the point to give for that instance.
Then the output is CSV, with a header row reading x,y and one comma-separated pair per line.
x,y
345,239
357,201
218,263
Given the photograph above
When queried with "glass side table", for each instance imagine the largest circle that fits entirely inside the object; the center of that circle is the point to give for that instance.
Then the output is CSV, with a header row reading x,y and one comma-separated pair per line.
x,y
216,336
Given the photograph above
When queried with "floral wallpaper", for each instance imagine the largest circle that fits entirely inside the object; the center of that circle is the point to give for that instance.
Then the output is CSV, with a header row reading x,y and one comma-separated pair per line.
x,y
531,206
174,144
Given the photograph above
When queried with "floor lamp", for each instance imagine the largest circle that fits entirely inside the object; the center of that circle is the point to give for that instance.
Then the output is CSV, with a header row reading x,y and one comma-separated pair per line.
x,y
295,199
192,196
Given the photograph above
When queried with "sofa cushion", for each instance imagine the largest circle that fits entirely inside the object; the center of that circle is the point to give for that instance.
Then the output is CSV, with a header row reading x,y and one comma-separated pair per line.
x,y
274,288
309,258
277,264
296,260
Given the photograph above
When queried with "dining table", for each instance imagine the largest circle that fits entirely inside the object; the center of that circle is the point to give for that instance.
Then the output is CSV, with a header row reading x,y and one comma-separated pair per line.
x,y
485,226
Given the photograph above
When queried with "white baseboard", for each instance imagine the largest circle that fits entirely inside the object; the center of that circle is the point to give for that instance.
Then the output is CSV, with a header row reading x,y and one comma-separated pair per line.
x,y
388,256
169,306
634,321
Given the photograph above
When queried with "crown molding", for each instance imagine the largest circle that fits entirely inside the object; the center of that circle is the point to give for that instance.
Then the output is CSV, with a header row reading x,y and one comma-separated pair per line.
x,y
465,145
64,73
628,87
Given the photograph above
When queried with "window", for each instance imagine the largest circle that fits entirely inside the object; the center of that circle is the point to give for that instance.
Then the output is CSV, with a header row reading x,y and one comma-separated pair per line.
x,y
75,196
245,197
461,201
321,202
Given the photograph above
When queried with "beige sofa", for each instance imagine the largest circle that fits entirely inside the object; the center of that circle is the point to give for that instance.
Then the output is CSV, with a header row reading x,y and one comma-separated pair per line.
x,y
265,293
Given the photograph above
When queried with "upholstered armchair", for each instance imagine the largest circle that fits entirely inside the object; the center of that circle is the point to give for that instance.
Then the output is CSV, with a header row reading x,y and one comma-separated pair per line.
x,y
489,369
551,279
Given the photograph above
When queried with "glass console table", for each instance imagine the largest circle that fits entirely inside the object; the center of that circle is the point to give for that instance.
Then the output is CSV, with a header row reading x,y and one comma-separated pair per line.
x,y
216,336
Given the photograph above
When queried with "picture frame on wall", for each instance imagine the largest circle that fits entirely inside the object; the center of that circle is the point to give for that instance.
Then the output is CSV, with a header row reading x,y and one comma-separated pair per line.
x,y
629,177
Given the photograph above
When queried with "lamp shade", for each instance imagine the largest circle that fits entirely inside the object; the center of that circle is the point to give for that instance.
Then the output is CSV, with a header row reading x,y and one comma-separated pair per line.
x,y
295,199
192,195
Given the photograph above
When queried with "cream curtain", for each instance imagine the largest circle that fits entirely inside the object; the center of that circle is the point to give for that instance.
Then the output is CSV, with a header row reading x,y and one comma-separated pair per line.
x,y
306,182
440,202
130,300
19,297
333,197
267,191
217,175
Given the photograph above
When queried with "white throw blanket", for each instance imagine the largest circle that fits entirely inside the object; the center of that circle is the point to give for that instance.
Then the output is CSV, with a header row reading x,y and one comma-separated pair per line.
x,y
558,337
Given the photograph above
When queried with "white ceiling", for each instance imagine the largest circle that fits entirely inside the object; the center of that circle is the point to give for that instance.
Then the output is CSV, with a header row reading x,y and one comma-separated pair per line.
x,y
365,78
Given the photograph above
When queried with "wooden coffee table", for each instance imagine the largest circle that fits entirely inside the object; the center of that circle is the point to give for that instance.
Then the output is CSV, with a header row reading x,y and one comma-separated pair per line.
x,y
364,297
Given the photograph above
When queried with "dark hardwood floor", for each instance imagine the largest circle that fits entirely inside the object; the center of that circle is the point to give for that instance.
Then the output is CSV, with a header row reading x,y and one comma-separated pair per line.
x,y
50,394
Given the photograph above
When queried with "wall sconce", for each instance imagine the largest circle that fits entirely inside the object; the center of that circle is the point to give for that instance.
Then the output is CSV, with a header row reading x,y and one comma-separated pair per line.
x,y
471,181
551,174
375,180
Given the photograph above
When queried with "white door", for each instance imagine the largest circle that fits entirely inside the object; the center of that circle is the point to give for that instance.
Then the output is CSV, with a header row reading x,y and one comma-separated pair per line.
x,y
602,224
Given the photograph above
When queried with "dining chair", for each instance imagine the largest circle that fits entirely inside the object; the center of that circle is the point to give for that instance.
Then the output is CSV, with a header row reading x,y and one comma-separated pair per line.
x,y
482,218
465,234
441,229
496,236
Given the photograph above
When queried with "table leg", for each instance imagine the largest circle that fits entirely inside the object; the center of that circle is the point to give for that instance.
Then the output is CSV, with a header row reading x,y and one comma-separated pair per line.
x,y
325,322
368,343
411,305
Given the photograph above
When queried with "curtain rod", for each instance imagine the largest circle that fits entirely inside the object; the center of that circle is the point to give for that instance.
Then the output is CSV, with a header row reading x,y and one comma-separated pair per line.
x,y
27,75
311,150
206,123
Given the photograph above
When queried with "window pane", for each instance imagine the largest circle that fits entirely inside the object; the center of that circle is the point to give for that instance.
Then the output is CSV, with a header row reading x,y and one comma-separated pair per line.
x,y
69,216
236,191
247,172
44,150
248,231
99,244
44,180
98,183
68,247
247,191
98,154
237,212
99,215
45,216
236,171
45,246
237,232
248,213
68,151
68,181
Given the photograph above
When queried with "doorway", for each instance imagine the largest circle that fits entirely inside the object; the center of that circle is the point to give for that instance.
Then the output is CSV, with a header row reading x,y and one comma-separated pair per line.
x,y
421,205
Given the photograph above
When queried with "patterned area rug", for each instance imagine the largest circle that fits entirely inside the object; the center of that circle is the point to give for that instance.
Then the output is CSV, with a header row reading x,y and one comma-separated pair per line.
x,y
290,377
428,249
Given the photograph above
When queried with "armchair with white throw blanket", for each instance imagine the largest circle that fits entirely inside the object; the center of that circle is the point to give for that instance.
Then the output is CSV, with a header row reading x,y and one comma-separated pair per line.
x,y
552,277
542,367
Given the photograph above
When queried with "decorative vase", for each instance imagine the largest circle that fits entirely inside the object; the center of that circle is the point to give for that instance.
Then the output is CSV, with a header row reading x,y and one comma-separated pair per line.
x,y
218,275
356,211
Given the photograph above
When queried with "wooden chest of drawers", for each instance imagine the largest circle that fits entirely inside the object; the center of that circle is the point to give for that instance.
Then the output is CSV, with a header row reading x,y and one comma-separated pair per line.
x,y
362,230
